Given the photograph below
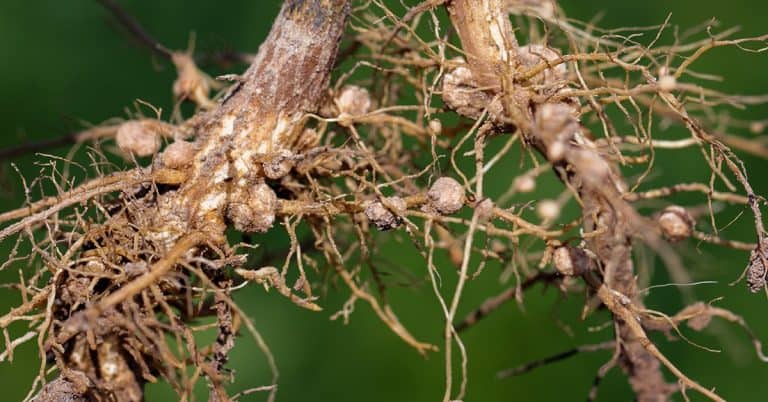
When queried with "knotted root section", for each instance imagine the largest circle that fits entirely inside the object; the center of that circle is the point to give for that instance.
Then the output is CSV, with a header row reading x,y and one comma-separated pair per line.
x,y
119,299
528,87
126,267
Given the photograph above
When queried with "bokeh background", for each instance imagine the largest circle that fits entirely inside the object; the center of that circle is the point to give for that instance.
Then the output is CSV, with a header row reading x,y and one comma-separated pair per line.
x,y
66,63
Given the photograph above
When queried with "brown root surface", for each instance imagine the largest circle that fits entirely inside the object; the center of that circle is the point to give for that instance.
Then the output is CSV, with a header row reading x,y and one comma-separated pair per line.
x,y
126,265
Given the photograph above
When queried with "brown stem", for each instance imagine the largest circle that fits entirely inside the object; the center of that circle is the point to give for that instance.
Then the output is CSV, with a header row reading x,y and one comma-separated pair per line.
x,y
553,129
486,37
293,66
263,114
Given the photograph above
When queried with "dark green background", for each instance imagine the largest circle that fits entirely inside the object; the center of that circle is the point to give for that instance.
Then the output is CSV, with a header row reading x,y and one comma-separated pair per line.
x,y
63,62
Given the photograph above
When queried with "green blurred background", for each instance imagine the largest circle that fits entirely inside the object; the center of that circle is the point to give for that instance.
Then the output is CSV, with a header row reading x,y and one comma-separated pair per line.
x,y
63,63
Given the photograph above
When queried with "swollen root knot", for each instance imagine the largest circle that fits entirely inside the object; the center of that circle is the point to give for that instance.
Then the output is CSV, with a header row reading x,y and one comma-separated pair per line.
x,y
666,82
756,270
178,154
435,127
460,93
62,389
556,125
548,210
570,261
484,209
446,196
354,100
676,223
139,137
252,208
191,83
525,184
279,164
384,218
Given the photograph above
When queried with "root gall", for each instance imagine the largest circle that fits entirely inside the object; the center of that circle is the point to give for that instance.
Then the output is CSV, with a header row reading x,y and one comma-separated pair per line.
x,y
570,261
384,218
279,164
525,184
548,210
460,93
354,101
676,223
178,154
446,196
252,209
138,137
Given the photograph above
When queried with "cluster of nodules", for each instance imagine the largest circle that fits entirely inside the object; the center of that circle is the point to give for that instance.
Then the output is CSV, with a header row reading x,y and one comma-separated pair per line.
x,y
541,86
252,209
142,138
675,223
445,197
464,94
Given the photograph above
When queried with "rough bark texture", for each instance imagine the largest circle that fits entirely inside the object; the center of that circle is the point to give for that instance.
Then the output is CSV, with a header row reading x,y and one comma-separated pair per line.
x,y
260,117
60,390
486,39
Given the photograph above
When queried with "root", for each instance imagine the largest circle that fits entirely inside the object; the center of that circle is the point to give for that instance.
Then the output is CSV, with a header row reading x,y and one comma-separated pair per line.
x,y
494,303
554,358
41,210
620,306
397,150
